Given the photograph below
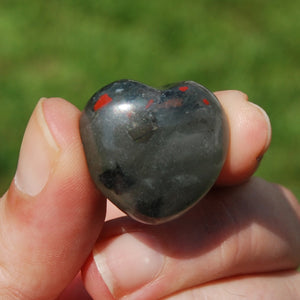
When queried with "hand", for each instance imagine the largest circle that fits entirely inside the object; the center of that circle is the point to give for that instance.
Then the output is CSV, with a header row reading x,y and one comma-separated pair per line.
x,y
242,239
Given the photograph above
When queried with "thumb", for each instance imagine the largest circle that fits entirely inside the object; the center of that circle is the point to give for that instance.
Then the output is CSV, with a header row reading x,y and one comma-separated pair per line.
x,y
51,215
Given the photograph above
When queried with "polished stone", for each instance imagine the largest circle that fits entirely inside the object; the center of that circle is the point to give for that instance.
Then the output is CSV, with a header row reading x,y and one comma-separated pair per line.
x,y
154,153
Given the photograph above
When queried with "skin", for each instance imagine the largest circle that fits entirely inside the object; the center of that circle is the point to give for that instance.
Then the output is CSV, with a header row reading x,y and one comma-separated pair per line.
x,y
241,241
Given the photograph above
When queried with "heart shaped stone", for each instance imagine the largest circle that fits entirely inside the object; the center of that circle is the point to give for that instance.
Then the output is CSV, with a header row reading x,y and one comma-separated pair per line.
x,y
154,153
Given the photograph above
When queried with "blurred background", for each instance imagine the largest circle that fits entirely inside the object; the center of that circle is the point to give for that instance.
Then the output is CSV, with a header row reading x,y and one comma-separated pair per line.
x,y
72,48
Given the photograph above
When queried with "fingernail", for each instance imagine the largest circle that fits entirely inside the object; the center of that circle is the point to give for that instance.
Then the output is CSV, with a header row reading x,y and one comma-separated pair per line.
x,y
128,262
37,155
269,127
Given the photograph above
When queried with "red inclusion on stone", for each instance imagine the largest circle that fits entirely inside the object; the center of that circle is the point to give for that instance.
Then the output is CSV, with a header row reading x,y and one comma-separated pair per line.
x,y
102,101
205,101
183,88
150,102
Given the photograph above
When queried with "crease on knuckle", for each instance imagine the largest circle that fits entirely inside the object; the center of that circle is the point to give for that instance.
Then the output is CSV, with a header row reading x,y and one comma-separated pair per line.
x,y
11,293
10,287
231,250
293,286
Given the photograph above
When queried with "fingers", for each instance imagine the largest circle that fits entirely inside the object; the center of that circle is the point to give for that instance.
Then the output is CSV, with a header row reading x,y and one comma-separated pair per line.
x,y
251,228
51,215
274,286
250,136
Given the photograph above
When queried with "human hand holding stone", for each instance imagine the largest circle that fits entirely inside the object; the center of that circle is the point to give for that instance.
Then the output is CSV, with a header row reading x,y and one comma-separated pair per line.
x,y
241,239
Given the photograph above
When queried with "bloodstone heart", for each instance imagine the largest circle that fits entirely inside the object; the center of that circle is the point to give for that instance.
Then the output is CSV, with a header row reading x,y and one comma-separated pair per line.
x,y
154,153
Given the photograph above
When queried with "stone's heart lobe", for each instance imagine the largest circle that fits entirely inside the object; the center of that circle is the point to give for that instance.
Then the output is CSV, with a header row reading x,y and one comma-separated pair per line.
x,y
154,153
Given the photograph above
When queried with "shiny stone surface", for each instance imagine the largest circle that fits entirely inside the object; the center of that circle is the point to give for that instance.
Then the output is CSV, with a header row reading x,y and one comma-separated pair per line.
x,y
154,153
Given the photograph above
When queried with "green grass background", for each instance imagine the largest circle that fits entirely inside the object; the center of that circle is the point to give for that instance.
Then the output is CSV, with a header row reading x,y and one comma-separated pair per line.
x,y
72,48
